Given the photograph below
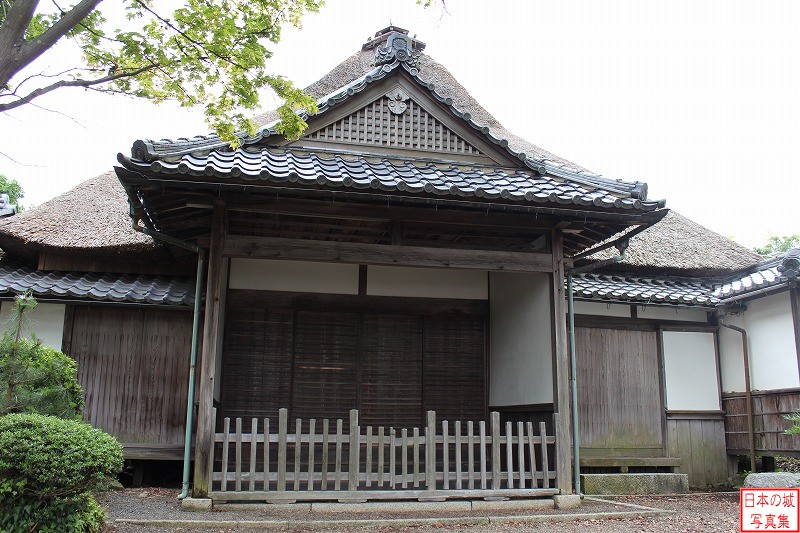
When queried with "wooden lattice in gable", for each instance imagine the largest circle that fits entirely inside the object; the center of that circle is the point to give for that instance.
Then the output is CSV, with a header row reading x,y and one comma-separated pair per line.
x,y
395,120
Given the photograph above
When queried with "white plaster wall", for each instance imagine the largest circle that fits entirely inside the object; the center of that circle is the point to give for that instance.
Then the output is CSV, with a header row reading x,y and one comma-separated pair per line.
x,y
293,276
690,371
770,330
521,361
671,313
427,282
602,309
771,343
46,321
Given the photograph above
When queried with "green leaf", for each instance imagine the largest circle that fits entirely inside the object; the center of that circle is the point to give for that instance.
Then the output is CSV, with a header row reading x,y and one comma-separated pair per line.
x,y
210,53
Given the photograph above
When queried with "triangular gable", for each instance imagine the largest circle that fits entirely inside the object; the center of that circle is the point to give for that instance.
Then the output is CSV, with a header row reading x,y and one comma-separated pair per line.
x,y
395,120
391,111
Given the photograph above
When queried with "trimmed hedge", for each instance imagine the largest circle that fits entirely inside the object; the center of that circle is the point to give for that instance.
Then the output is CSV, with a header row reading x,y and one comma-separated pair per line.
x,y
48,466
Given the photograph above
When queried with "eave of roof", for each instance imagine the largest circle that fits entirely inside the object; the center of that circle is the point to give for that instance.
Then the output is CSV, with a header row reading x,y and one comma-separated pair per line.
x,y
119,288
627,287
320,169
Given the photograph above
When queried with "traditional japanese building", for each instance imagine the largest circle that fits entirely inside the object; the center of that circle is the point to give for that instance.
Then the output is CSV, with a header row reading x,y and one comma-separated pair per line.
x,y
399,277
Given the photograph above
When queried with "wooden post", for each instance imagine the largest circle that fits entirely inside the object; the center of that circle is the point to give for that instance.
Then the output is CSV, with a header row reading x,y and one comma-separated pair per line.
x,y
545,458
495,419
794,297
561,394
298,437
430,452
354,446
208,360
253,444
325,428
283,416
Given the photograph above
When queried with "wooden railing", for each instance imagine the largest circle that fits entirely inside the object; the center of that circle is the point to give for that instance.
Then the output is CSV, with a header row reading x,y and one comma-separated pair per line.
x,y
317,461
770,424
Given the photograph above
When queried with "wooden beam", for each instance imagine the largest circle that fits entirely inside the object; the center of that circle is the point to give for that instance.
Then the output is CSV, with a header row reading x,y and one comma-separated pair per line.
x,y
152,452
381,254
380,213
360,495
641,324
351,303
208,363
605,462
561,394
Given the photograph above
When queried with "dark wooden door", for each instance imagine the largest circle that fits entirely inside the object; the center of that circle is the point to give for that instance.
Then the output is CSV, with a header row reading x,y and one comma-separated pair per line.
x,y
619,394
133,364
392,363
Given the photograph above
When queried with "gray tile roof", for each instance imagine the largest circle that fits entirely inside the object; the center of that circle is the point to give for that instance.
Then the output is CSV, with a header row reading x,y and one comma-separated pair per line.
x,y
15,279
631,288
318,168
768,274
643,290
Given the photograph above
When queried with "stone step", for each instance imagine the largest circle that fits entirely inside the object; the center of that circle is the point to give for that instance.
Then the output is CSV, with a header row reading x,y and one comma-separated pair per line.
x,y
634,483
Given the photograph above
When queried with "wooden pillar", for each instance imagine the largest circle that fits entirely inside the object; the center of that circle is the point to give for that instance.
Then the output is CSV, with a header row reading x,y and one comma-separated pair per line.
x,y
794,296
204,441
561,393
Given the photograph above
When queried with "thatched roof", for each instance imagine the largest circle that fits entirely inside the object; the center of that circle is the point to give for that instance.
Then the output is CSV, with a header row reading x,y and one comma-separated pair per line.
x,y
92,218
679,246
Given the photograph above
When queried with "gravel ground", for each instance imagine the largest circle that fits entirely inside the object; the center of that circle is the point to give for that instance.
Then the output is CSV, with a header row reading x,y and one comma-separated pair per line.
x,y
695,512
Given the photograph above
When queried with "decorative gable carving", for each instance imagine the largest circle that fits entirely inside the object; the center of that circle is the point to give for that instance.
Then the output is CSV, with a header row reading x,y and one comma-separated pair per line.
x,y
397,121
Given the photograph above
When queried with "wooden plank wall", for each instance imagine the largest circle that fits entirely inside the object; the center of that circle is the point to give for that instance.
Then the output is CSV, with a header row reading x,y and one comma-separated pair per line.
x,y
699,440
769,411
133,364
619,397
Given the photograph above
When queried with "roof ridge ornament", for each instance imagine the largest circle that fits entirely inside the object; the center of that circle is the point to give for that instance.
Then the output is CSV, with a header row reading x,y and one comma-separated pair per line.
x,y
398,47
790,264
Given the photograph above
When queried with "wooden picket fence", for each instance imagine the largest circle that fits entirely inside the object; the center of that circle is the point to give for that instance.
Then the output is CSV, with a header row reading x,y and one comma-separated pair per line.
x,y
317,462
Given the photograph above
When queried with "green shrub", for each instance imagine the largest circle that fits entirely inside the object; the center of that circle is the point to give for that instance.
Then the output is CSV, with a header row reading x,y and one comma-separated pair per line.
x,y
48,465
37,379
795,429
78,514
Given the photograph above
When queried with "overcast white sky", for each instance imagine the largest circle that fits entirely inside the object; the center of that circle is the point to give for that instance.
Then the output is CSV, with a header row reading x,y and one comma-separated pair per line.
x,y
698,99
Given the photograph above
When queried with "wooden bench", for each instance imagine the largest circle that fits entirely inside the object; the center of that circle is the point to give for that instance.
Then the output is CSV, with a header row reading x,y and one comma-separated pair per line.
x,y
623,463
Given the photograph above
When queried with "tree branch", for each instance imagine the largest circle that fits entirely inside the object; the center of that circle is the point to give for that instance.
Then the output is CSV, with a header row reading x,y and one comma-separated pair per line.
x,y
72,83
202,46
12,36
33,49
19,85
